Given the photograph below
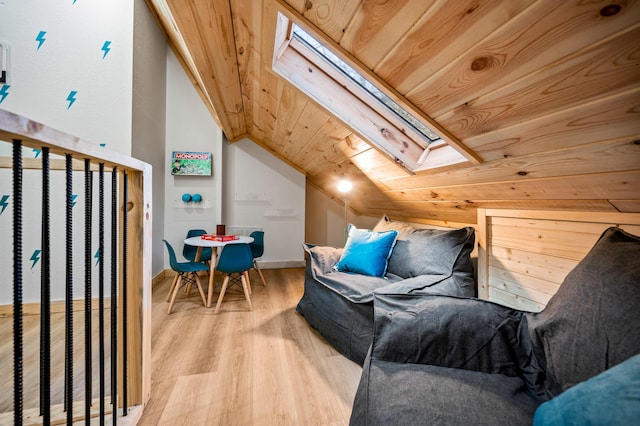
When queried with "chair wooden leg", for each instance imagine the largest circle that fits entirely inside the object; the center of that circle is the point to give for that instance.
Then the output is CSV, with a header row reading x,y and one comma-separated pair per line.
x,y
257,268
245,287
224,289
200,290
175,293
173,284
246,275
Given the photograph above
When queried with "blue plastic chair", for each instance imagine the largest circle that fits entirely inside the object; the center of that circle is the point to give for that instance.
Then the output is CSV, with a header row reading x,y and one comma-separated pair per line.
x,y
235,262
257,250
186,274
189,252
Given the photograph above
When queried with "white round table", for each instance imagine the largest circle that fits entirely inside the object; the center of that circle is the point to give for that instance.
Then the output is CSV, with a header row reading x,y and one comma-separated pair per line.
x,y
214,244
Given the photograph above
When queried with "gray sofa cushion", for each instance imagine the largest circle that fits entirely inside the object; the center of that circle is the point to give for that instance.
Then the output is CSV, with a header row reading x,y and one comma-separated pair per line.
x,y
428,251
591,323
447,360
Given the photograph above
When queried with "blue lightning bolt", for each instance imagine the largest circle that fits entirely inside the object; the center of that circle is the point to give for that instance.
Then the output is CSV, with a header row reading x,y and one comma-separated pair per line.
x,y
35,257
106,48
4,203
97,256
4,92
37,152
72,97
73,199
40,39
103,145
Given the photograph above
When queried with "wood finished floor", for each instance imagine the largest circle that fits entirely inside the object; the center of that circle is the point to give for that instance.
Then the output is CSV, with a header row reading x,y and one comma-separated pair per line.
x,y
264,367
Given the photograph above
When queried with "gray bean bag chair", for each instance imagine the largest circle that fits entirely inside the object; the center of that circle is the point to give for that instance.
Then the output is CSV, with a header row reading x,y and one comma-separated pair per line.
x,y
423,261
439,360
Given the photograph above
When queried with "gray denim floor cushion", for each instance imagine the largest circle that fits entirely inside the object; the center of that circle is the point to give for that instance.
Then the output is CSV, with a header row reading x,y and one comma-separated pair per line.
x,y
340,305
458,361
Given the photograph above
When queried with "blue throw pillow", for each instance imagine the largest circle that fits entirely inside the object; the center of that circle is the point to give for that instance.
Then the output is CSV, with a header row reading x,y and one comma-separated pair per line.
x,y
610,398
367,252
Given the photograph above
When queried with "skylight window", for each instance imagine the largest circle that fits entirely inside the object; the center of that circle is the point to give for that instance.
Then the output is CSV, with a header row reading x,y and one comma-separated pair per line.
x,y
382,118
359,79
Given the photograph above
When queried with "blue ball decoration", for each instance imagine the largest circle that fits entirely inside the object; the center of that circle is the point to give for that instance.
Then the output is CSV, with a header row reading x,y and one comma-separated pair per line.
x,y
196,198
186,197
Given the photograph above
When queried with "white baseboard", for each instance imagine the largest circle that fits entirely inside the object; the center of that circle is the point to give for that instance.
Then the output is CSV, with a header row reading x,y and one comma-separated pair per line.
x,y
281,264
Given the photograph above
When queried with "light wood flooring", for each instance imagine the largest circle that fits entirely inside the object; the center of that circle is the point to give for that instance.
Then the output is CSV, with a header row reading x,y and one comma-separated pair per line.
x,y
264,367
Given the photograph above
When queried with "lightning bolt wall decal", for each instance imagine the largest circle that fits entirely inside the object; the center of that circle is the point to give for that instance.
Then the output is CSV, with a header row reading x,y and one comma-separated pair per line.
x,y
4,92
73,199
72,97
4,202
36,152
97,256
105,48
40,39
35,257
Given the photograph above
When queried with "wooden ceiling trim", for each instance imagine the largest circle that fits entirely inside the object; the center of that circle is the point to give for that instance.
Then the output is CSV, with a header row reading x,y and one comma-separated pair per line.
x,y
600,71
550,30
616,117
206,28
458,25
378,26
597,158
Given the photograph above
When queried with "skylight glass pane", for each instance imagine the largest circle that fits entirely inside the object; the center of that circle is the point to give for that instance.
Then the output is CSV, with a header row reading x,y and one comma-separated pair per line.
x,y
365,84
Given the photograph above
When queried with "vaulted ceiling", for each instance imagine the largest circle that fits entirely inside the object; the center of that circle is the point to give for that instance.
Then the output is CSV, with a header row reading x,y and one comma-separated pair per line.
x,y
544,94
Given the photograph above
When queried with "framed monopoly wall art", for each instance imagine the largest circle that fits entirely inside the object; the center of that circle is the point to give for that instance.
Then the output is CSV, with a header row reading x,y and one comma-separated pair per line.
x,y
189,163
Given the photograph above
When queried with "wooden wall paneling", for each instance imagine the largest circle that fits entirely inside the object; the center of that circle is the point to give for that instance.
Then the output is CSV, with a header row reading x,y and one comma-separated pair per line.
x,y
521,285
537,265
459,26
598,71
482,266
377,27
549,31
616,117
529,253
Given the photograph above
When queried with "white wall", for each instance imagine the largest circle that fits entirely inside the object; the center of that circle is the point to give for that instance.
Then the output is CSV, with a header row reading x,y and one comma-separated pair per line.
x,y
70,58
263,191
325,219
149,112
189,127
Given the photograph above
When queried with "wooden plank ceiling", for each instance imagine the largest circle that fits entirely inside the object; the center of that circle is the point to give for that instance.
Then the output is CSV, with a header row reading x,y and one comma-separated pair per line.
x,y
546,93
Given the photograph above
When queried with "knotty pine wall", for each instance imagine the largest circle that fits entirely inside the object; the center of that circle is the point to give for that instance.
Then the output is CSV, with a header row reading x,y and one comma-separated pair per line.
x,y
523,256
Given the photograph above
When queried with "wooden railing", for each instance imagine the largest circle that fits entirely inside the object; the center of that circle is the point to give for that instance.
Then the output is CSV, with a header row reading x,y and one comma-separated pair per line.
x,y
126,362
